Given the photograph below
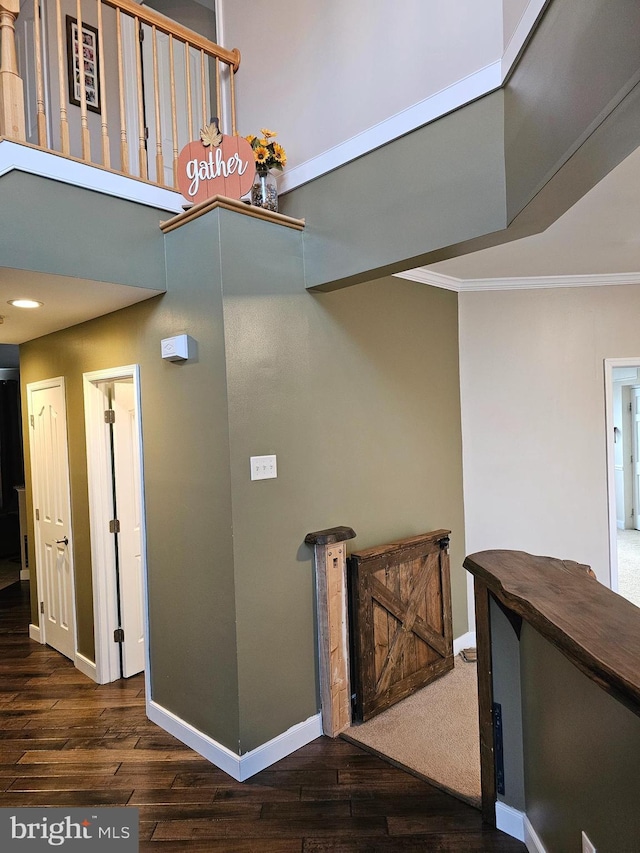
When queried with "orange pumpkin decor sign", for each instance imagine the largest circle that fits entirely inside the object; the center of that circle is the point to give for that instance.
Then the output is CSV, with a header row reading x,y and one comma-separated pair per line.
x,y
215,165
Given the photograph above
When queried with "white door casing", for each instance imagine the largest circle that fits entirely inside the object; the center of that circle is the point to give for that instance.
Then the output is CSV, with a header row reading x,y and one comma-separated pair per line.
x,y
121,383
52,514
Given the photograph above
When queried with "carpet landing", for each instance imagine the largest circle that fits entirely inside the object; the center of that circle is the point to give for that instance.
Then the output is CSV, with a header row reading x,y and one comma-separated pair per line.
x,y
433,733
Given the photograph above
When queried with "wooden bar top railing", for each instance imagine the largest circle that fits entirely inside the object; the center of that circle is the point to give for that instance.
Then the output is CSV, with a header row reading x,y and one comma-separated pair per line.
x,y
141,81
598,630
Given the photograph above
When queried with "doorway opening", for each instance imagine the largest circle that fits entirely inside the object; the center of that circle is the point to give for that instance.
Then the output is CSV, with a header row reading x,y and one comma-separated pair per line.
x,y
116,517
622,407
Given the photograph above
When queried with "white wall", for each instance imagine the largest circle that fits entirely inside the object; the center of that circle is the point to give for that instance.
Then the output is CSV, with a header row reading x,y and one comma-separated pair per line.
x,y
320,73
532,390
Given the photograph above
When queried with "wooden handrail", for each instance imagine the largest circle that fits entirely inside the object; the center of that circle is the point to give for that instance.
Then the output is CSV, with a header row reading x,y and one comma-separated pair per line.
x,y
598,630
166,25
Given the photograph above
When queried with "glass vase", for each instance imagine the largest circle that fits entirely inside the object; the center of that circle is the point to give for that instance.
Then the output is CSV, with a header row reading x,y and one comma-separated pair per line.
x,y
264,192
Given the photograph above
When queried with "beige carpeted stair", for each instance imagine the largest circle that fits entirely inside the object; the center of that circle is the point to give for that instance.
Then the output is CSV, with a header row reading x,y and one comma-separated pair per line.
x,y
434,733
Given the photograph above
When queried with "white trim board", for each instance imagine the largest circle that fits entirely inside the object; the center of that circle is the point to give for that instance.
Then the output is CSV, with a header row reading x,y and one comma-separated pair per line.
x,y
241,767
451,98
23,158
510,820
435,106
516,824
86,666
465,641
35,633
532,839
423,275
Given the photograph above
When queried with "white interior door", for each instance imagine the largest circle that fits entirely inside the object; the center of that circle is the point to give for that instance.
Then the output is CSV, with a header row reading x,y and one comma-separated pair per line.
x,y
635,422
126,469
52,514
116,514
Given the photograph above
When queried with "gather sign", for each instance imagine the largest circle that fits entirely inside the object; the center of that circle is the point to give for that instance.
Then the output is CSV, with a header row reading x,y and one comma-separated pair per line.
x,y
215,164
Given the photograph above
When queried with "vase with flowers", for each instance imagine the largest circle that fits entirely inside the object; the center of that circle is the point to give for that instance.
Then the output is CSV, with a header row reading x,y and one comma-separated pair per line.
x,y
268,155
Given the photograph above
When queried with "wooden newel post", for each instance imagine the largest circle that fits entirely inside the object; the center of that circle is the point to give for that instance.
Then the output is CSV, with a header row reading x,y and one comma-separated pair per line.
x,y
333,638
12,125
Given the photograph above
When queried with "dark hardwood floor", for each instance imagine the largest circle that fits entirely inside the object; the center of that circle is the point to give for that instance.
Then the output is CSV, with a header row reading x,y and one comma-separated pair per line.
x,y
65,741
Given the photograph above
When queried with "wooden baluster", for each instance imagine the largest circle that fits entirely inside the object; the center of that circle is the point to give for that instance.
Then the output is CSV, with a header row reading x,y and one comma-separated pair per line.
x,y
174,116
106,152
124,145
232,84
12,124
40,113
84,122
62,71
219,96
203,89
156,88
142,136
187,68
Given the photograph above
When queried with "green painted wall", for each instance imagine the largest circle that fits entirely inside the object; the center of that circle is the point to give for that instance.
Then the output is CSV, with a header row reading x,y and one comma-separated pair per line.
x,y
581,751
187,488
357,392
78,233
392,209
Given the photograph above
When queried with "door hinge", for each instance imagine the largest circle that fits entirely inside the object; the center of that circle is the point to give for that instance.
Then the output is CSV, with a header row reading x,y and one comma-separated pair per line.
x,y
37,515
42,607
118,636
32,421
141,32
630,407
114,526
109,416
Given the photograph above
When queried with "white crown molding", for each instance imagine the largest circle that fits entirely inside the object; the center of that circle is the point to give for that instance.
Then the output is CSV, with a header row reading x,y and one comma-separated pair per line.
x,y
435,279
46,164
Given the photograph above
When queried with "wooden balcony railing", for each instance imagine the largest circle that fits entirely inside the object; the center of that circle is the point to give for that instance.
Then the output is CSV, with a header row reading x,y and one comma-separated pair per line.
x,y
126,96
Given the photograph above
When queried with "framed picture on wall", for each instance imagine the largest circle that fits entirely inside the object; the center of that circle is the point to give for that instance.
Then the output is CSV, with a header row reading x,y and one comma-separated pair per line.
x,y
87,53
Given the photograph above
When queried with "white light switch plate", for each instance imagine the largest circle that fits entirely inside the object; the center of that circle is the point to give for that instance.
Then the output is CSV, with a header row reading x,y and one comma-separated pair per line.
x,y
263,468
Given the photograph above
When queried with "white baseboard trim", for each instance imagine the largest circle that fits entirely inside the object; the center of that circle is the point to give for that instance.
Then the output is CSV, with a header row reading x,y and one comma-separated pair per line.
x,y
240,767
86,666
531,838
34,633
510,820
24,574
466,641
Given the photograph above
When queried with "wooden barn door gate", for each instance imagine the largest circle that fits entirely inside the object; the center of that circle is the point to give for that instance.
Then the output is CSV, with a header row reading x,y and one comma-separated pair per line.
x,y
400,620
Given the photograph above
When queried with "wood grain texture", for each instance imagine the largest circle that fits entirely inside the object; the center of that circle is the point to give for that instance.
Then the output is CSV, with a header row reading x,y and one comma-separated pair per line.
x,y
485,703
401,628
328,796
596,629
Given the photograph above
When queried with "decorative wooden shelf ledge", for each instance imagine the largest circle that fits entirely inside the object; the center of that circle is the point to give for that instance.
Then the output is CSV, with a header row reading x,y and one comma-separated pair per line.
x,y
220,201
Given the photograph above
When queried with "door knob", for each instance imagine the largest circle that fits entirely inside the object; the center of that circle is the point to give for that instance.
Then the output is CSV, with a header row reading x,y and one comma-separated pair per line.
x,y
64,541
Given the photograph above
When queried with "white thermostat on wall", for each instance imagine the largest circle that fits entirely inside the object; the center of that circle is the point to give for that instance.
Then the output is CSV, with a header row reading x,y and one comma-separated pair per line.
x,y
176,348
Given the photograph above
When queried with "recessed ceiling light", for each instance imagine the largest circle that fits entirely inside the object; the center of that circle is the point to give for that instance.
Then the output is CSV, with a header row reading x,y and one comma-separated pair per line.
x,y
25,303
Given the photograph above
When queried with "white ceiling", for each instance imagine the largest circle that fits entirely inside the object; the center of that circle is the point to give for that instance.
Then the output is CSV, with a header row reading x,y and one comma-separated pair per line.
x,y
597,241
67,302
